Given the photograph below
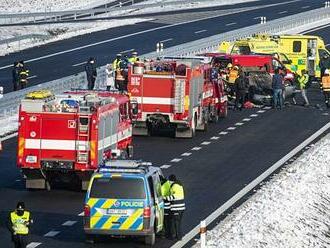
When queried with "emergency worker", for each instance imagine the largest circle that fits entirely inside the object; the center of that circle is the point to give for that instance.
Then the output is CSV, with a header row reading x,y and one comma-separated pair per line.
x,y
176,199
302,83
23,75
134,58
165,191
116,62
18,224
233,74
277,86
325,85
15,75
91,73
240,91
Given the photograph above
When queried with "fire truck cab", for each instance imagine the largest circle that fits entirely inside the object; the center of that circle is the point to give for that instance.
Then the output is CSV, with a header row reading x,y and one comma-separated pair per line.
x,y
64,138
179,94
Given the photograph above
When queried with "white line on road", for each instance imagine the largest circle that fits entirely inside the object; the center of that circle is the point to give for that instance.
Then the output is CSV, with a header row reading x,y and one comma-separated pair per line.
x,y
186,154
246,119
327,45
51,234
230,24
267,107
214,215
315,29
306,7
254,115
138,33
81,214
127,51
261,111
69,223
239,124
18,180
231,128
33,245
223,133
205,143
34,76
257,17
283,12
215,138
165,166
82,63
176,160
200,31
196,148
163,41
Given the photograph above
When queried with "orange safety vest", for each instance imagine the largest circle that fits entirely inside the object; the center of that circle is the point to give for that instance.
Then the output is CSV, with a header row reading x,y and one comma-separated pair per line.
x,y
326,83
119,75
233,74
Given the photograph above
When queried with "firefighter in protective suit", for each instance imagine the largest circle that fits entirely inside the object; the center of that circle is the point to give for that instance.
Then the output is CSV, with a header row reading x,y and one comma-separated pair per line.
x,y
325,85
176,199
19,223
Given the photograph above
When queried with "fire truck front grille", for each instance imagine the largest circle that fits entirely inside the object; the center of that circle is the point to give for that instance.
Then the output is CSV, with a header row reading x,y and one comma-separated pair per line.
x,y
57,165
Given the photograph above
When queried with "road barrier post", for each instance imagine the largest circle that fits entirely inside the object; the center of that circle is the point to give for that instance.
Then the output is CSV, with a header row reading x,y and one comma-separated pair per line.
x,y
202,231
157,47
161,47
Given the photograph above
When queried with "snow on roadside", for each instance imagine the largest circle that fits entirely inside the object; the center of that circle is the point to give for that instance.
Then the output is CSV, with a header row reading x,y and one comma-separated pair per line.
x,y
24,6
291,210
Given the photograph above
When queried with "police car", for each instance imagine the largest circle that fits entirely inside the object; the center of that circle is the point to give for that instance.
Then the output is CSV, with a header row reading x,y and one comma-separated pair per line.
x,y
124,199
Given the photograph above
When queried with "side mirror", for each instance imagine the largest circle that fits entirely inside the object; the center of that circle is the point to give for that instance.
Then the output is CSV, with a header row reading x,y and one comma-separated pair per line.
x,y
134,108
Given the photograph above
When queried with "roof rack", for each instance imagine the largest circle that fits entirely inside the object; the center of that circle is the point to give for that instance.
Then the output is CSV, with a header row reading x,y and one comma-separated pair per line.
x,y
128,166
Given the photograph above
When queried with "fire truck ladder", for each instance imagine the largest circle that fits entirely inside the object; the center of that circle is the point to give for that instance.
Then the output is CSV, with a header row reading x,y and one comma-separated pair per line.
x,y
82,138
179,93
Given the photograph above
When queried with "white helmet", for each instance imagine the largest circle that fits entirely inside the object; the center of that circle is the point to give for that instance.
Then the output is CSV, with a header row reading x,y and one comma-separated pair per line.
x,y
326,72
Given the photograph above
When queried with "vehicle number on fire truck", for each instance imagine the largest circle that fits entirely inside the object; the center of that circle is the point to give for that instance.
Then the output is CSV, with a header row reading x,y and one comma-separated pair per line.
x,y
135,81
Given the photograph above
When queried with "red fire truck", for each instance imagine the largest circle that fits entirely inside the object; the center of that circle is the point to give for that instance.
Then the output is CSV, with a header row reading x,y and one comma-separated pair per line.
x,y
180,94
65,137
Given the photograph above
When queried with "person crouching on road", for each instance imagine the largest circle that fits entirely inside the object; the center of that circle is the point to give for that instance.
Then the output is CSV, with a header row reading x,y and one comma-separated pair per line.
x,y
240,91
176,199
91,73
277,86
325,86
165,190
19,223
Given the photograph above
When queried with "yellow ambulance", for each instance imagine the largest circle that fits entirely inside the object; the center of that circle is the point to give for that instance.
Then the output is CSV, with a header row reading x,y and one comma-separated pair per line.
x,y
298,51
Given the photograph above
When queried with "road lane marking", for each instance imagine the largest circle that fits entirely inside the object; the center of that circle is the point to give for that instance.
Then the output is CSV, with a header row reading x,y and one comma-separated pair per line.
x,y
246,119
163,41
215,138
223,133
283,12
231,128
261,111
143,32
186,154
257,17
239,124
306,7
327,45
33,245
200,31
228,204
127,51
254,115
176,160
81,214
69,223
34,76
230,24
18,180
79,64
51,234
196,148
205,143
165,166
267,107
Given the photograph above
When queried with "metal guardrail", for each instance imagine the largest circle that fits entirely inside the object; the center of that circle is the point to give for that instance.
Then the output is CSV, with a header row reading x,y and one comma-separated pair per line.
x,y
10,101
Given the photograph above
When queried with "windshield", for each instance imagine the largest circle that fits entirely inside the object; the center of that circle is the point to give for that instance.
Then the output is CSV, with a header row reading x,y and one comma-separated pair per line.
x,y
241,49
118,188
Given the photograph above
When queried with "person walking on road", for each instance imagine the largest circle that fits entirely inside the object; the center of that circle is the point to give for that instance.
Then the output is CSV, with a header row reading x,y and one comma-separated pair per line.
x,y
277,86
302,83
165,190
240,91
15,75
23,75
176,199
19,223
91,73
325,86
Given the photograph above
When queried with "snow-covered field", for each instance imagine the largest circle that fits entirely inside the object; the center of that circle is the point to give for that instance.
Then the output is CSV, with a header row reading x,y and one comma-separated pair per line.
x,y
292,210
23,6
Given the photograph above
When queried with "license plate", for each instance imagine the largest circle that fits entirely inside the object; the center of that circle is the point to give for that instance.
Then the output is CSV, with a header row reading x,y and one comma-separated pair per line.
x,y
31,159
117,211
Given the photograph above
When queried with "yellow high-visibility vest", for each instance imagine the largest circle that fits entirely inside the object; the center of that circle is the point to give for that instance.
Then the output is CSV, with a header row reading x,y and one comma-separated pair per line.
x,y
20,222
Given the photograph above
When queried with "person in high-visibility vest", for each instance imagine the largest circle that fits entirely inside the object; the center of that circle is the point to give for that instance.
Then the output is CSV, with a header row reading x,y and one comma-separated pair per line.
x,y
176,198
325,86
165,191
116,62
302,83
23,75
19,223
133,58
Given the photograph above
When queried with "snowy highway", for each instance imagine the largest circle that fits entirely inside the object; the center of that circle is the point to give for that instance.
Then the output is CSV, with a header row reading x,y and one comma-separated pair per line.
x,y
213,166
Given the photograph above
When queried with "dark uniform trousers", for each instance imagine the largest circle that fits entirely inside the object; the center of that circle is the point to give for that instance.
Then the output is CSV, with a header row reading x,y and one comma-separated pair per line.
x,y
19,240
176,220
